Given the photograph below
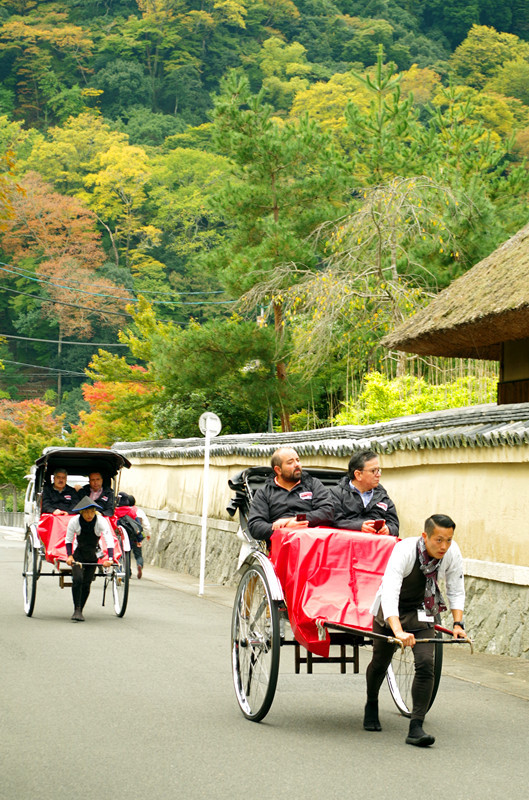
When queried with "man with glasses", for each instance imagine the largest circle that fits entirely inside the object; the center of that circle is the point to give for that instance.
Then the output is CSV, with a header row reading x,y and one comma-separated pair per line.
x,y
360,501
98,492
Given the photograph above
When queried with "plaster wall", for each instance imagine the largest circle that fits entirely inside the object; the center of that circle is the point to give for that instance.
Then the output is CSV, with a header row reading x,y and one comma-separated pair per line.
x,y
485,491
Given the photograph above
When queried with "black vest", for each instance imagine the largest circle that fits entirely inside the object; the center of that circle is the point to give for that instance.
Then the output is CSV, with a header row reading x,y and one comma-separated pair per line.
x,y
412,589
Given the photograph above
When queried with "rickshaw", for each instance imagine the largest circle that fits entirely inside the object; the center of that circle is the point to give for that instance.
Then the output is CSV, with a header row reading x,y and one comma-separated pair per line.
x,y
321,581
45,533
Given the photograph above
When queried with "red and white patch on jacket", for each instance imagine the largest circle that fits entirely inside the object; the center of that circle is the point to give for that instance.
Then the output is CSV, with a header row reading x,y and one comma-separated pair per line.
x,y
384,506
305,495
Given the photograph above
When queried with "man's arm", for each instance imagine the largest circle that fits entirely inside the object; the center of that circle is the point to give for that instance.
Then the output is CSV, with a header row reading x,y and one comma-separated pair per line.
x,y
48,506
259,521
344,517
322,506
455,587
400,564
392,520
107,506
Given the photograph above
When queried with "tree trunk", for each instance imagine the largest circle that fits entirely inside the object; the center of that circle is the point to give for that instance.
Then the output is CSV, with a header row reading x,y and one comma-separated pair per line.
x,y
281,369
59,374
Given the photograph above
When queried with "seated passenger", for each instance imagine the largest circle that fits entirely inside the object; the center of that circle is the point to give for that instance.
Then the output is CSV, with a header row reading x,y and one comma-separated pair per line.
x,y
58,498
135,521
360,499
87,528
287,494
103,495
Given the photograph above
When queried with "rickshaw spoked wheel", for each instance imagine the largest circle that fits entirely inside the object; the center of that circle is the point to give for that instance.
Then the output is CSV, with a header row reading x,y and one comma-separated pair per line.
x,y
120,583
255,643
30,576
401,672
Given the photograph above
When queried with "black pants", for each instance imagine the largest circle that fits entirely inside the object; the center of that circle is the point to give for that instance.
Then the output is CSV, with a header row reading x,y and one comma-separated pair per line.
x,y
423,654
82,577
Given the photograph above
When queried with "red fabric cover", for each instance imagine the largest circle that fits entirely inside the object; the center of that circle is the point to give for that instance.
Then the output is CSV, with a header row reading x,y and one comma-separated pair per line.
x,y
52,534
122,511
328,575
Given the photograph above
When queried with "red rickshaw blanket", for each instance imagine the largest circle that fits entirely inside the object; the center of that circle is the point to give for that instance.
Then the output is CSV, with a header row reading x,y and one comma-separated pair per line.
x,y
328,576
52,533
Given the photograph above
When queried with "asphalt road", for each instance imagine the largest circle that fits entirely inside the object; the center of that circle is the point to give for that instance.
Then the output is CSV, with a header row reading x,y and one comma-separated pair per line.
x,y
143,707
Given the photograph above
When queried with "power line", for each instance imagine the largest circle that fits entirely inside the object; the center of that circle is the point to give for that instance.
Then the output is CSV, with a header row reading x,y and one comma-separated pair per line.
x,y
60,341
111,296
48,369
64,303
71,372
24,273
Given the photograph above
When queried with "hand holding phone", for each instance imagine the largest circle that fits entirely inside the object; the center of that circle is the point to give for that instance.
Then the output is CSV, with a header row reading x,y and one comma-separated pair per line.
x,y
378,524
301,517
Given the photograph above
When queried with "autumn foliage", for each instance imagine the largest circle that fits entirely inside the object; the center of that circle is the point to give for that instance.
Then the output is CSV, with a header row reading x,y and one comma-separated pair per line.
x,y
59,235
26,428
117,412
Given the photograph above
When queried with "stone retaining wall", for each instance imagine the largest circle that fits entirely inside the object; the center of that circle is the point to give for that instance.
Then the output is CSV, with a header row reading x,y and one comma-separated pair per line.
x,y
176,541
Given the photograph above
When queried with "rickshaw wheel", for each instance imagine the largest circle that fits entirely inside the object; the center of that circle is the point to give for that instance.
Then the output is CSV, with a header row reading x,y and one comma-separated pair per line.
x,y
255,644
120,583
401,672
30,575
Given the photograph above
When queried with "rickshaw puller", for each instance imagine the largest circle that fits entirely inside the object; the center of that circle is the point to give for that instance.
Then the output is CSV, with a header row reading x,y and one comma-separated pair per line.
x,y
406,606
88,527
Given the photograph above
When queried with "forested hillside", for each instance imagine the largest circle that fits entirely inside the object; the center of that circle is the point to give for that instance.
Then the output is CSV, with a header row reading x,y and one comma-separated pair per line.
x,y
225,204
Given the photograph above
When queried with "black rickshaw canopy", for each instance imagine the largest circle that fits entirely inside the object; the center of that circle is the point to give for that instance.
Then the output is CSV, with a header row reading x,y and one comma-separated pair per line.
x,y
80,461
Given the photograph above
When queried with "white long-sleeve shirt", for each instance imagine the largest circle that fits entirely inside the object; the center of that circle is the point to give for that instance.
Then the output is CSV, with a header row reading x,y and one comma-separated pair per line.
x,y
400,565
102,527
144,519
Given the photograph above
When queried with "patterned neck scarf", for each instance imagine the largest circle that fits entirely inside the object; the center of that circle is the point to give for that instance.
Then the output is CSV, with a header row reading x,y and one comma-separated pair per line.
x,y
434,601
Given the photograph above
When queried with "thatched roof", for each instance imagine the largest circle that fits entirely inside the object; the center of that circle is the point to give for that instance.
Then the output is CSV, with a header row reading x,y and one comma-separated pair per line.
x,y
486,306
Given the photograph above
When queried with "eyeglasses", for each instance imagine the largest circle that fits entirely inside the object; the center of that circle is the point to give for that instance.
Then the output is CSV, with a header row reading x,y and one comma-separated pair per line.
x,y
375,470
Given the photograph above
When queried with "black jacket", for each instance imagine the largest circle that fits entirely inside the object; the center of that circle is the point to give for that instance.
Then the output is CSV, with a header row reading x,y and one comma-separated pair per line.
x,y
64,501
106,499
349,511
272,502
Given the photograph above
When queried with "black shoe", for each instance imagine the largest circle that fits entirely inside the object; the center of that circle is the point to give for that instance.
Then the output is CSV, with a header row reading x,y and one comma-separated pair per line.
x,y
371,721
417,736
77,615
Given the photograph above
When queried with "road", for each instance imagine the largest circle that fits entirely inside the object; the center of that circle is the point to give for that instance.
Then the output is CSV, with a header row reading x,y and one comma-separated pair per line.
x,y
143,707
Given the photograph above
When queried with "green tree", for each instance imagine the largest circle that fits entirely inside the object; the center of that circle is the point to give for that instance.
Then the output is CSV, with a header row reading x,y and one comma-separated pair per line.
x,y
48,63
382,399
512,80
285,181
481,56
223,365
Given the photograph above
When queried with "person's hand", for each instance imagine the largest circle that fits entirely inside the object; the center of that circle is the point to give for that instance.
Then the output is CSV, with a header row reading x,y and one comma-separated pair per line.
x,y
289,522
369,527
70,560
107,563
60,513
459,633
407,639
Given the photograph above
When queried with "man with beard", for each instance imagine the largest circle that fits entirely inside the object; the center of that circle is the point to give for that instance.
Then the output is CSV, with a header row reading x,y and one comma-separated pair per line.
x,y
58,498
289,499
